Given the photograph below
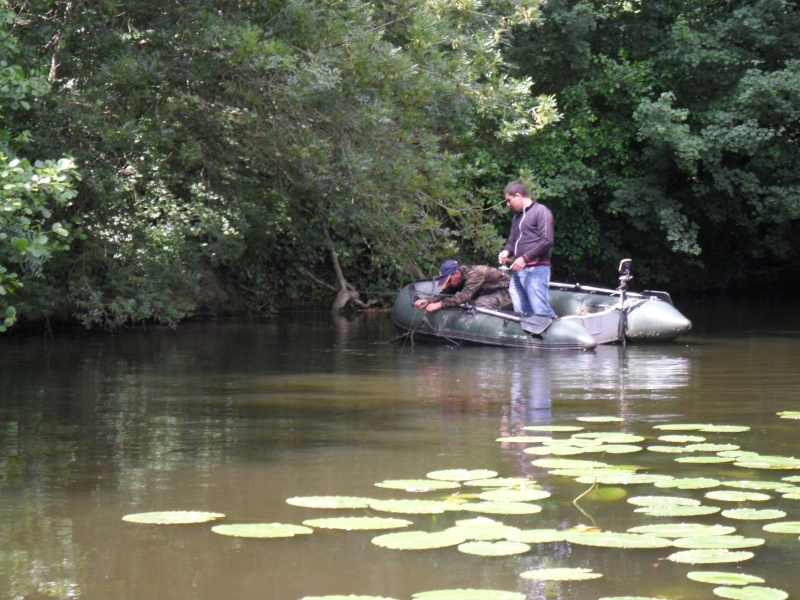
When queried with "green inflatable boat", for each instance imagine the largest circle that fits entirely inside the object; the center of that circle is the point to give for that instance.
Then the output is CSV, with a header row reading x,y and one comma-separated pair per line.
x,y
587,316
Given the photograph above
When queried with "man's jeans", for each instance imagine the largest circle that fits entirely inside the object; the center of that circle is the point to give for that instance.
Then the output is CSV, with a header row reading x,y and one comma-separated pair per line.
x,y
529,290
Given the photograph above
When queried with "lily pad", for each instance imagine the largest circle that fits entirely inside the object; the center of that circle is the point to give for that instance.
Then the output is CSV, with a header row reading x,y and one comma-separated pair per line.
x,y
484,529
500,548
504,495
619,540
704,460
677,511
725,428
751,592
732,496
462,474
553,428
730,542
261,530
339,502
605,493
695,557
682,530
792,527
712,447
663,501
680,426
753,514
172,517
468,594
357,523
351,597
689,483
561,574
419,540
622,478
668,449
418,485
769,462
523,439
682,439
567,463
723,578
557,450
600,419
502,508
614,448
494,482
789,414
612,437
414,507
755,485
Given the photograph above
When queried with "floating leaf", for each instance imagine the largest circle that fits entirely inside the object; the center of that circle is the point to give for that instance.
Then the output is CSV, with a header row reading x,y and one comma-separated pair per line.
x,y
704,460
468,594
680,427
553,428
567,463
346,598
414,507
723,578
751,592
484,529
789,414
663,501
792,527
630,598
329,501
515,482
615,448
725,428
502,508
523,439
462,474
678,511
612,437
357,523
561,574
755,485
501,548
619,540
689,483
418,485
262,530
419,540
504,495
172,517
753,514
769,462
712,447
681,530
682,439
600,419
731,496
791,478
694,557
561,450
622,479
668,449
731,542
605,494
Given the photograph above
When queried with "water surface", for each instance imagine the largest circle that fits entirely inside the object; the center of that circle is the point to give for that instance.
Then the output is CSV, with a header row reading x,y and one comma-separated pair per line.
x,y
237,416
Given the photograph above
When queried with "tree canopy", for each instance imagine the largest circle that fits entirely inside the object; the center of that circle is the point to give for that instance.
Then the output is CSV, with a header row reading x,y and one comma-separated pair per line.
x,y
162,160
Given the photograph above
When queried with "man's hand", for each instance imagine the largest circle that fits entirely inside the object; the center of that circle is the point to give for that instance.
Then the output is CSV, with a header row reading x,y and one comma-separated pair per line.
x,y
421,303
502,258
433,307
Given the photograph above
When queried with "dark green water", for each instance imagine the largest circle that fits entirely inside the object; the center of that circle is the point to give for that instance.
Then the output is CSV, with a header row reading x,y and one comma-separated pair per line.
x,y
236,417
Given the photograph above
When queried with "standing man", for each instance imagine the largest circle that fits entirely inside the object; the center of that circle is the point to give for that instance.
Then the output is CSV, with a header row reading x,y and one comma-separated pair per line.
x,y
531,244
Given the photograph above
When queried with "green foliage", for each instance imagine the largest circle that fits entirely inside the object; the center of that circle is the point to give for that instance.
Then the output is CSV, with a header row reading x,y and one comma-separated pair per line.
x,y
33,195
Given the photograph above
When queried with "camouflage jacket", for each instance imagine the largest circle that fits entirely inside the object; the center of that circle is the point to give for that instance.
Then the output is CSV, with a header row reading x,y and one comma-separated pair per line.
x,y
476,280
